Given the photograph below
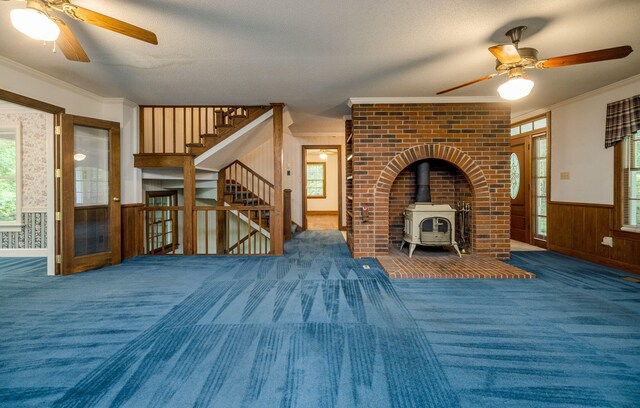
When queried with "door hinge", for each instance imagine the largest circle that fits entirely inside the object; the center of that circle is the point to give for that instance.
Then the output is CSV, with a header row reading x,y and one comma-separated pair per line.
x,y
58,173
58,259
58,216
58,130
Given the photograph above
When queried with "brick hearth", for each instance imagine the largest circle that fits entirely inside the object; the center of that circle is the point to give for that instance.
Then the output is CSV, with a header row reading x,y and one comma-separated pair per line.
x,y
448,266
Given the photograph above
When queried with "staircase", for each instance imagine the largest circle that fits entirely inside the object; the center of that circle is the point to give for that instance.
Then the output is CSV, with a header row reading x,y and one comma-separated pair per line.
x,y
244,187
238,215
191,130
228,122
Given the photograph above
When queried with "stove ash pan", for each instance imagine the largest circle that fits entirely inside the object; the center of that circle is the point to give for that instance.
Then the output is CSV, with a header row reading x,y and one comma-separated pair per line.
x,y
429,224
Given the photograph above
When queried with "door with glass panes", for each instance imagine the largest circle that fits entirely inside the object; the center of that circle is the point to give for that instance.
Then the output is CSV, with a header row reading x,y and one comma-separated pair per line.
x,y
162,234
88,194
529,181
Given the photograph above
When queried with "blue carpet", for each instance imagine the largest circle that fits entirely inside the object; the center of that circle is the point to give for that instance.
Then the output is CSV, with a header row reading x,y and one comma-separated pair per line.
x,y
316,329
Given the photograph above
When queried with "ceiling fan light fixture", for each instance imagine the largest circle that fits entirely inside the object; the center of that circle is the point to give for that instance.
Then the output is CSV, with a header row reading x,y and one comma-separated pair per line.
x,y
515,88
34,24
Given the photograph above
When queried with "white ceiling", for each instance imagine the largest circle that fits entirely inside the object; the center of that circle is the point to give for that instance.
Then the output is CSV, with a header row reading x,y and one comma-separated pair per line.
x,y
314,55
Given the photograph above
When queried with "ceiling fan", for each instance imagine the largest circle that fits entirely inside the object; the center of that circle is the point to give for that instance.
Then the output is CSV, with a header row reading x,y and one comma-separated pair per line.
x,y
37,22
324,153
513,61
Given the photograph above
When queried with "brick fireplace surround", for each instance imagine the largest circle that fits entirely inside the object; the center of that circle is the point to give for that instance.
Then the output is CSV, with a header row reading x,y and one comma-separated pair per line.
x,y
470,138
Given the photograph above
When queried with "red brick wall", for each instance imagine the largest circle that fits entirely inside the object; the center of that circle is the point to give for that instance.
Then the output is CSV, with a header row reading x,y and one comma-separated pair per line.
x,y
448,186
473,137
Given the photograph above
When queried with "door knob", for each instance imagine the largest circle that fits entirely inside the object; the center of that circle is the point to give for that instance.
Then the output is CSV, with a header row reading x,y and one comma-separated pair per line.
x,y
116,199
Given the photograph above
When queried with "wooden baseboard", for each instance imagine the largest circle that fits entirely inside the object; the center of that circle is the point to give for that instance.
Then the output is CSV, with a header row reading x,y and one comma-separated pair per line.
x,y
322,213
595,258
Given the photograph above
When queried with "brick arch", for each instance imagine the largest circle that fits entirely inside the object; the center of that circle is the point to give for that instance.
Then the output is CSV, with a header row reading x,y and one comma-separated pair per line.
x,y
481,201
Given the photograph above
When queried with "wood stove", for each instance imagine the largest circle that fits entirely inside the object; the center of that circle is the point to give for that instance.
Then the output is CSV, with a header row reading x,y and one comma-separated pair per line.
x,y
429,224
426,223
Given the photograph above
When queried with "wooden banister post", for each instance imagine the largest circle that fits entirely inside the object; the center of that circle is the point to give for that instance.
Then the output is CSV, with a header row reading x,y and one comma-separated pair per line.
x,y
287,215
221,221
277,238
189,175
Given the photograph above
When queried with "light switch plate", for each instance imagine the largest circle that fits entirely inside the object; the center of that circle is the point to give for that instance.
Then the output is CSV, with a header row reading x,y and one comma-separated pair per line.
x,y
565,175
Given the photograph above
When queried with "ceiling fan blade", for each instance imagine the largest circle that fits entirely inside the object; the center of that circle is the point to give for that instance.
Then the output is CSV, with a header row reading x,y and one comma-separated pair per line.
x,y
110,23
586,57
68,43
506,53
467,83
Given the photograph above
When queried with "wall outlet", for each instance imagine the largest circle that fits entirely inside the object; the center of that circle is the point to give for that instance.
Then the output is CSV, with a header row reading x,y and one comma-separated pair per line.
x,y
565,175
607,241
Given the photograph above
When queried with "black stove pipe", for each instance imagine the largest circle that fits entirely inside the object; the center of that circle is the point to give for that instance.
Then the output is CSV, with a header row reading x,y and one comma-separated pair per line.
x,y
423,193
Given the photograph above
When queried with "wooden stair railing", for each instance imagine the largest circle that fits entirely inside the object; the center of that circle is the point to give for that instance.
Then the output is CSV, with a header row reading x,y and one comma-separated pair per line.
x,y
228,123
239,186
242,186
191,129
235,247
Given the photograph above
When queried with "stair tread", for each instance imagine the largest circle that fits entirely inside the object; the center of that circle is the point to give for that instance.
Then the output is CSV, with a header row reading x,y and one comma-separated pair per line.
x,y
195,144
209,135
224,125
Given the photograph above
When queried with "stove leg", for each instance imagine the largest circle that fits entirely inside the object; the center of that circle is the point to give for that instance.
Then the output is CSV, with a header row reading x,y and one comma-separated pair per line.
x,y
401,244
455,246
412,248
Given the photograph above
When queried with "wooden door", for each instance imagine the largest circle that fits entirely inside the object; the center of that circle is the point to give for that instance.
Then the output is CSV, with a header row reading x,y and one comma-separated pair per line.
x,y
520,189
89,194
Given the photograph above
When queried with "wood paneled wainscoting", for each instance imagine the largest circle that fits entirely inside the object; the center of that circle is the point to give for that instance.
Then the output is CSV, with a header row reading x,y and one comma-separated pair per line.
x,y
577,229
132,230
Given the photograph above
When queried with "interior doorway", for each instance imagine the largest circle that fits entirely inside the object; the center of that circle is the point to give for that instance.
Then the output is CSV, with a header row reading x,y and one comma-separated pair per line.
x,y
27,197
322,187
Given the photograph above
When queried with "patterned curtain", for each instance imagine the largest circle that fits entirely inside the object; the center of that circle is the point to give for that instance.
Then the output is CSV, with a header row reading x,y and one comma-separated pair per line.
x,y
623,119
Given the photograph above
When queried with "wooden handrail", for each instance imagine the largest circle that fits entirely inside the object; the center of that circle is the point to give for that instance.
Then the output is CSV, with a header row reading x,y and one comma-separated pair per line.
x,y
204,106
243,240
249,184
170,128
244,166
233,208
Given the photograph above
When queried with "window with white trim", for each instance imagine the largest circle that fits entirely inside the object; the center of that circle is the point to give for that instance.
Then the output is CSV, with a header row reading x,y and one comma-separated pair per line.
x,y
10,177
631,183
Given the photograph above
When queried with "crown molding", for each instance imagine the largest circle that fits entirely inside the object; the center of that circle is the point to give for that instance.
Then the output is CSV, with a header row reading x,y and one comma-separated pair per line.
x,y
48,78
120,101
423,99
586,95
63,84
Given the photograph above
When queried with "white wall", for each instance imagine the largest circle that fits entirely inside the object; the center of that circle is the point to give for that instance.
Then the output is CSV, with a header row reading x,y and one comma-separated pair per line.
x,y
330,203
76,101
577,144
261,160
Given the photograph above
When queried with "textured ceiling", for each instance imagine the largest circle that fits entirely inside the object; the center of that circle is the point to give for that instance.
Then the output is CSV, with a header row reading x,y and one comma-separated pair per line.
x,y
315,55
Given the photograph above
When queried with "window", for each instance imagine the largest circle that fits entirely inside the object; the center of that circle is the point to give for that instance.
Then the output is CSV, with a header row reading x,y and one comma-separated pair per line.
x,y
162,234
630,180
316,180
10,177
540,186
